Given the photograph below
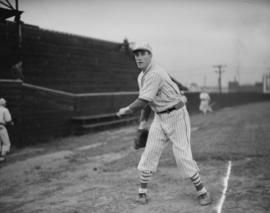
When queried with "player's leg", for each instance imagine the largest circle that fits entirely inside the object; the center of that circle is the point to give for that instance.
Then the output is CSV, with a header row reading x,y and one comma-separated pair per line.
x,y
1,157
209,108
178,131
179,134
204,106
201,107
150,158
5,141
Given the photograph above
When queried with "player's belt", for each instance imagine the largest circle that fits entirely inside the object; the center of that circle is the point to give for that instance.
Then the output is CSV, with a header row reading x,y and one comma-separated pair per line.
x,y
2,124
175,107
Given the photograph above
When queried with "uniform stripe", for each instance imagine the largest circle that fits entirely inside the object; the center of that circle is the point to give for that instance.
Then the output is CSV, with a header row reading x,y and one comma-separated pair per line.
x,y
186,128
156,86
149,86
194,177
172,127
196,183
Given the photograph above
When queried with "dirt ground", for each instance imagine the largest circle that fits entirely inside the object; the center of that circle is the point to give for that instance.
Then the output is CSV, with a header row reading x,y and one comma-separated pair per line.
x,y
96,173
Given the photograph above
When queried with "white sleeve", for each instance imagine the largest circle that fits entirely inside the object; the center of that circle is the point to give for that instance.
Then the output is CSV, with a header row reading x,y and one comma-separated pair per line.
x,y
151,86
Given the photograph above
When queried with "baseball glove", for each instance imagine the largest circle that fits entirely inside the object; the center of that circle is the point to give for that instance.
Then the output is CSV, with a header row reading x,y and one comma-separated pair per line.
x,y
141,138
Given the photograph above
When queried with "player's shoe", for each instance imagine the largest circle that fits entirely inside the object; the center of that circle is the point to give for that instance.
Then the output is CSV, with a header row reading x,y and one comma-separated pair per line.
x,y
205,199
142,198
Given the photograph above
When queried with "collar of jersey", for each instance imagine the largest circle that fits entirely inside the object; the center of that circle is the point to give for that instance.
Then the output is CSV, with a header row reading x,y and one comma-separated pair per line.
x,y
147,68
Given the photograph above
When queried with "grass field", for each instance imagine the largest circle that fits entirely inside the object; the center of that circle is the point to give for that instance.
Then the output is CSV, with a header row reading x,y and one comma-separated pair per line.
x,y
97,172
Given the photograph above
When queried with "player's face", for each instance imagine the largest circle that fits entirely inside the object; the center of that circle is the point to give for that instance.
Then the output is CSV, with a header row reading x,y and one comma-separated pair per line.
x,y
143,59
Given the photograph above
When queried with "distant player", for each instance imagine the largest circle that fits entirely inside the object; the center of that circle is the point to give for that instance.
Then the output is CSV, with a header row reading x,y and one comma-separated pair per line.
x,y
171,124
205,102
5,118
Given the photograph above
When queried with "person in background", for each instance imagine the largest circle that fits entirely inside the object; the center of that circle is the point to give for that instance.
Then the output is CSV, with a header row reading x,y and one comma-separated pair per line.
x,y
5,118
16,70
205,102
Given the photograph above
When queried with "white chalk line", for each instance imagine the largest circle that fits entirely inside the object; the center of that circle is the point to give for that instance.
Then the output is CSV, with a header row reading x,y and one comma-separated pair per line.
x,y
218,208
91,146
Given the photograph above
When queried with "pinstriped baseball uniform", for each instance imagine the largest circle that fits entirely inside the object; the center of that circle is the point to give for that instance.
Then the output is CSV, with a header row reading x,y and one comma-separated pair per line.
x,y
162,93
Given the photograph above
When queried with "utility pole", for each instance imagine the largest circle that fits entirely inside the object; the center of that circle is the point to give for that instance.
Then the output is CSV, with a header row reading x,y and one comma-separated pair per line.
x,y
219,71
19,24
204,81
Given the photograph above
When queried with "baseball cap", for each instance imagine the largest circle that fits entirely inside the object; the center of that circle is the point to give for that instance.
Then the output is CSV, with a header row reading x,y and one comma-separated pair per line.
x,y
142,46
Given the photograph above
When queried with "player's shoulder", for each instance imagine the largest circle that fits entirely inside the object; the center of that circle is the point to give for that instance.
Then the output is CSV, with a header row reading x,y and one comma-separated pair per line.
x,y
158,70
4,110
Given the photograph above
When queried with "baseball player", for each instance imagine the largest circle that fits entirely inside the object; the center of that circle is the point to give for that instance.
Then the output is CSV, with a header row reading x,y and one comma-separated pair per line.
x,y
5,118
205,102
171,124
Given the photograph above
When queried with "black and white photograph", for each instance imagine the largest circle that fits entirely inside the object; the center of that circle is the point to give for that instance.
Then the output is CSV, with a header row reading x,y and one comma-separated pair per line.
x,y
135,106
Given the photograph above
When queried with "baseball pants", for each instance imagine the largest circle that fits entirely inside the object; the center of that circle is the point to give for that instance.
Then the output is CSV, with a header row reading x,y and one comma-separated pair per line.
x,y
4,141
205,107
171,127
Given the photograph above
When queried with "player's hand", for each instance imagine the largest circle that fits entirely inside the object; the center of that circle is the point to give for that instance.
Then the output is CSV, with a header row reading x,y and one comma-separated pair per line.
x,y
123,111
143,125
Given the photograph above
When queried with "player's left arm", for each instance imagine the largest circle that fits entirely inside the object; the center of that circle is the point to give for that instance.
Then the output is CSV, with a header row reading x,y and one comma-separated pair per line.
x,y
138,104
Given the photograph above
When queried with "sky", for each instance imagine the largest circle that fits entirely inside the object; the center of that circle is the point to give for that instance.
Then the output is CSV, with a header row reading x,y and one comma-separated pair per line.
x,y
189,37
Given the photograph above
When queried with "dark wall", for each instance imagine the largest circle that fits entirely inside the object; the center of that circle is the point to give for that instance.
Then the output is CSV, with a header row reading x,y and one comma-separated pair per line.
x,y
42,114
225,99
72,64
103,103
12,92
67,62
37,115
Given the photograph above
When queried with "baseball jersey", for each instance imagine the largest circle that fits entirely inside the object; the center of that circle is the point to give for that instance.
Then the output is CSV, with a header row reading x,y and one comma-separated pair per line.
x,y
156,86
4,115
